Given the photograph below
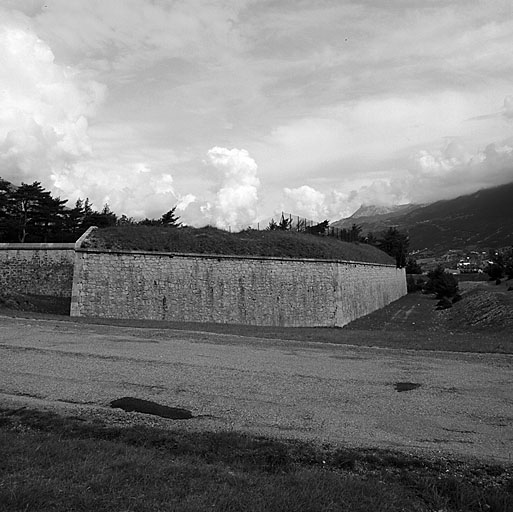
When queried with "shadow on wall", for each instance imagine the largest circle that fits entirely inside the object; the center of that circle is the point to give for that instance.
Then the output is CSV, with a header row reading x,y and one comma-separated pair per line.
x,y
37,277
47,304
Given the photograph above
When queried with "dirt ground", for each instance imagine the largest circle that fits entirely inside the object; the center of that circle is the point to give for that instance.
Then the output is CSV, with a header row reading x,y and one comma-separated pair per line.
x,y
370,384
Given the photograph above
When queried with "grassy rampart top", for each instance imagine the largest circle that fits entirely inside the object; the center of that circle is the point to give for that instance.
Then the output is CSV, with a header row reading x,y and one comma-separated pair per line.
x,y
209,240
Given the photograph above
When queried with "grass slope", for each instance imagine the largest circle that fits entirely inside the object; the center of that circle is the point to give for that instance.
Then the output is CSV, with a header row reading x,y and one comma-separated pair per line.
x,y
49,462
209,240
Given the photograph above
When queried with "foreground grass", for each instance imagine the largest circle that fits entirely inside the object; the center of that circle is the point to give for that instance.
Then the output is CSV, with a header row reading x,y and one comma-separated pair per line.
x,y
52,463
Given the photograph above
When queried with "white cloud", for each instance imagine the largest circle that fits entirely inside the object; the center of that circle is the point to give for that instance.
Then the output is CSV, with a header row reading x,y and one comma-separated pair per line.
x,y
334,96
306,202
443,173
453,170
430,175
439,162
236,201
379,193
122,36
185,201
352,137
44,107
132,189
507,109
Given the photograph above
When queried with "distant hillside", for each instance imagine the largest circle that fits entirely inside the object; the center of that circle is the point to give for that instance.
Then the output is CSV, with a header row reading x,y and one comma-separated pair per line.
x,y
366,211
480,220
375,218
209,240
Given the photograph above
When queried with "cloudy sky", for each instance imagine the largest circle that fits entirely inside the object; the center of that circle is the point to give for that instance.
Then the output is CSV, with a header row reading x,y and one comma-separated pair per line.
x,y
234,110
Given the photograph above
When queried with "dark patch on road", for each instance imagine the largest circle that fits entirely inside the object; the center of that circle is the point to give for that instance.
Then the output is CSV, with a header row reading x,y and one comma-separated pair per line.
x,y
348,358
406,386
130,404
459,431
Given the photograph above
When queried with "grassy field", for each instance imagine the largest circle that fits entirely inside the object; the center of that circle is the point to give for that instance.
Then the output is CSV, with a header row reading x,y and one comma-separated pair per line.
x,y
54,463
209,240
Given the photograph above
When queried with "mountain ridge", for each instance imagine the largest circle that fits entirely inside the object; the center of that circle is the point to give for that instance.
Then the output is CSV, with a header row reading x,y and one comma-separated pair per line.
x,y
481,220
369,210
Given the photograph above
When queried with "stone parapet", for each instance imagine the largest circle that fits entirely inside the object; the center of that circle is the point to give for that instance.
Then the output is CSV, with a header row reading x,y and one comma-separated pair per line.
x,y
37,269
230,289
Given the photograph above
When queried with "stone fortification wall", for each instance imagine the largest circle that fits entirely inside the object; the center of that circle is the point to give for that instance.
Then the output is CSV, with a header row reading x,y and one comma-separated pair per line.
x,y
38,269
225,289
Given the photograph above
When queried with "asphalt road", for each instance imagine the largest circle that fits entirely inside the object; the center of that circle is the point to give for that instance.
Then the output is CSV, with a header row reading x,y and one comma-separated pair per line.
x,y
329,393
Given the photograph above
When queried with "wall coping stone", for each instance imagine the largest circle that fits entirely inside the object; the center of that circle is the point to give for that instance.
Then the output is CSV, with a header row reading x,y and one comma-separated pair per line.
x,y
79,242
226,256
34,246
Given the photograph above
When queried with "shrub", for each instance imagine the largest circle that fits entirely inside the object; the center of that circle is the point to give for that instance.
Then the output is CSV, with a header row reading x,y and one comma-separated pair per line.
x,y
501,264
495,271
508,267
456,298
444,303
413,283
441,283
412,267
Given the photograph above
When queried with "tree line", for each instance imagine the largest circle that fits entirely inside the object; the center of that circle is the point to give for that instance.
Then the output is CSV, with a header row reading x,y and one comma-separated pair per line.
x,y
392,241
29,213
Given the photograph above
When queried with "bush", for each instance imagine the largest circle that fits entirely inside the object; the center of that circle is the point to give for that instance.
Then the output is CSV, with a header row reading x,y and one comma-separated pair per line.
x,y
413,283
501,264
495,271
456,298
441,283
444,303
412,267
508,268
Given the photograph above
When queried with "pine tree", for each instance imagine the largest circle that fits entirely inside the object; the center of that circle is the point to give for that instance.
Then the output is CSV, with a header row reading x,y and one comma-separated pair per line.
x,y
25,208
49,217
169,219
395,243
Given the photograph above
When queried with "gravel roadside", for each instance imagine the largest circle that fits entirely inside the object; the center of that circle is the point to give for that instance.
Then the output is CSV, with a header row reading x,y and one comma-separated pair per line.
x,y
316,391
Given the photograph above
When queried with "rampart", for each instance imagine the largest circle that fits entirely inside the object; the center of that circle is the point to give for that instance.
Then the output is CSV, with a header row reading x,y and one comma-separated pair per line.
x,y
38,269
230,289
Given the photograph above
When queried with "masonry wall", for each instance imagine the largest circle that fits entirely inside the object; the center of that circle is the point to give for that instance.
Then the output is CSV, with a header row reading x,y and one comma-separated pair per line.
x,y
224,289
38,269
